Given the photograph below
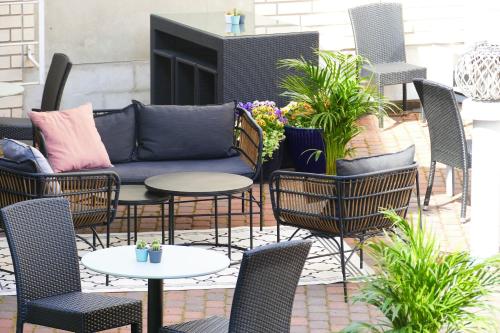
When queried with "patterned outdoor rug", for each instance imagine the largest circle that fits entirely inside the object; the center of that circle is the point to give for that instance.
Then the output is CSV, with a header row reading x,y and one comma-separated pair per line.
x,y
324,270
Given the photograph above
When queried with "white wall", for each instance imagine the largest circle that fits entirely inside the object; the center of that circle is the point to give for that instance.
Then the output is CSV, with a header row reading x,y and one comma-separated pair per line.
x,y
434,30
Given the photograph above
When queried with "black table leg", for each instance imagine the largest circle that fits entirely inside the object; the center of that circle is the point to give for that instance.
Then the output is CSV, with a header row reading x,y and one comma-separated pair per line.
x,y
171,226
251,218
135,224
229,197
216,207
155,305
128,224
163,223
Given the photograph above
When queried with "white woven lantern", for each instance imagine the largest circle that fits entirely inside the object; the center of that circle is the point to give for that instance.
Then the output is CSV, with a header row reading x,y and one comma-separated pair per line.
x,y
477,72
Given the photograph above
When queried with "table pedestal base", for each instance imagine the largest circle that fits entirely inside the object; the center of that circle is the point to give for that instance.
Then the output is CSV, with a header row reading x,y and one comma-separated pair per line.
x,y
155,305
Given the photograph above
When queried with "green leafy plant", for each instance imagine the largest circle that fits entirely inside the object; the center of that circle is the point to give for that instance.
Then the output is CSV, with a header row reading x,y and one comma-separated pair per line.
x,y
421,289
156,245
141,245
338,95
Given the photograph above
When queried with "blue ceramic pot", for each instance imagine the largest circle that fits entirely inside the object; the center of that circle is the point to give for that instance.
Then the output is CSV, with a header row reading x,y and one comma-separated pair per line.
x,y
155,256
274,163
141,255
301,143
235,19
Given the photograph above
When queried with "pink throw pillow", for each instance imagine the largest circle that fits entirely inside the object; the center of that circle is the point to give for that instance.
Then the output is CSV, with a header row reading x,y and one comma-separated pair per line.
x,y
71,139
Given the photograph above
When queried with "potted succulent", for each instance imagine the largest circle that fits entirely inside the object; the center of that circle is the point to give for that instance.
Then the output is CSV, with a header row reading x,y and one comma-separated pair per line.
x,y
234,16
422,289
141,251
155,252
338,96
272,122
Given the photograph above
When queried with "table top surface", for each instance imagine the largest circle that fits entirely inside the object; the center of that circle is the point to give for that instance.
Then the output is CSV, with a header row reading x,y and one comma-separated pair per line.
x,y
177,262
139,194
214,23
10,89
198,183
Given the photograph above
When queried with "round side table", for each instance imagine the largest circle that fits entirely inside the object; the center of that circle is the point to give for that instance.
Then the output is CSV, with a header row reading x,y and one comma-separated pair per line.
x,y
138,195
177,262
200,184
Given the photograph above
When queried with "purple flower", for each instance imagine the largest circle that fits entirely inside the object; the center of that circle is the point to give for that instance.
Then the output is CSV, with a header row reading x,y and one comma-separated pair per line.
x,y
246,106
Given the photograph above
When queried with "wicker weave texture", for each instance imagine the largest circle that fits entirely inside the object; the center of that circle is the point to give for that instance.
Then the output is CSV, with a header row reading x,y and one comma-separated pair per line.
x,y
446,131
264,294
93,196
42,242
335,205
378,32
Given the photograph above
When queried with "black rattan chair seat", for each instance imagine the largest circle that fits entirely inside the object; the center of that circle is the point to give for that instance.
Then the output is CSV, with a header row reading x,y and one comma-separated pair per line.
x,y
213,324
83,312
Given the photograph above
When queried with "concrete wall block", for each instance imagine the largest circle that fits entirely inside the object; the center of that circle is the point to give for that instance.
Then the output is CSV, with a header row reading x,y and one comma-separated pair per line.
x,y
10,22
5,113
73,100
117,100
142,96
10,49
11,75
16,61
297,7
29,9
15,9
4,9
11,101
100,78
4,35
17,113
29,34
142,75
29,21
15,35
5,62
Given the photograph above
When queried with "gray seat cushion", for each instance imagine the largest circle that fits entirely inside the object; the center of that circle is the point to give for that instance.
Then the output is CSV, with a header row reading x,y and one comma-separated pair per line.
x,y
117,131
377,163
24,166
394,72
137,172
173,132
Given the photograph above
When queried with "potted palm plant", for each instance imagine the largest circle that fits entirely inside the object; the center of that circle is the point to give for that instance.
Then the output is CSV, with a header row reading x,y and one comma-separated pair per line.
x,y
421,289
338,96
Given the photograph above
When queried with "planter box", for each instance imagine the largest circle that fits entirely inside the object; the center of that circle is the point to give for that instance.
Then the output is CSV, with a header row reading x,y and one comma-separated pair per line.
x,y
274,163
300,144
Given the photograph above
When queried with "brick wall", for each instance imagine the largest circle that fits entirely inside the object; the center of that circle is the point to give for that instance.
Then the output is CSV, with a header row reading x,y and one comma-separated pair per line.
x,y
17,23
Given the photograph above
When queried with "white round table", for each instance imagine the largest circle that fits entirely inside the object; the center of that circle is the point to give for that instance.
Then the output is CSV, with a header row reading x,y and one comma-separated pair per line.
x,y
177,262
10,89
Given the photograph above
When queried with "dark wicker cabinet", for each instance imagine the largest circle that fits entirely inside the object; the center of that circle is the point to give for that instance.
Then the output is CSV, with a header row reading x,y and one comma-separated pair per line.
x,y
194,61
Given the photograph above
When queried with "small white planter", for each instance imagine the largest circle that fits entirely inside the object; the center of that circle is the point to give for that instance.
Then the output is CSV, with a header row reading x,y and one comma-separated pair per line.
x,y
228,18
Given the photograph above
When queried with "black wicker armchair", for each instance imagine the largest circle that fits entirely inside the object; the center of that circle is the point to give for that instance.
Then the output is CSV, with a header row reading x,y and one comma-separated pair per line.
x,y
264,294
42,243
340,207
93,196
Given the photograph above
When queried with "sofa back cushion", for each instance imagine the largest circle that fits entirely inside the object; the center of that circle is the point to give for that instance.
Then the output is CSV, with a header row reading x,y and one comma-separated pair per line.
x,y
118,134
71,139
376,163
173,132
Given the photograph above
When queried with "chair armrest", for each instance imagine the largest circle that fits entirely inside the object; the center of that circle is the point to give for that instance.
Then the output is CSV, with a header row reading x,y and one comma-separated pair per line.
x,y
248,140
93,195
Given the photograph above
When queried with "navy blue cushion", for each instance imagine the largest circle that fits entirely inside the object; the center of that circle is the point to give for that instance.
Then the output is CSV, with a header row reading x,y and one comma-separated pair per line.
x,y
24,166
137,172
117,131
377,163
173,132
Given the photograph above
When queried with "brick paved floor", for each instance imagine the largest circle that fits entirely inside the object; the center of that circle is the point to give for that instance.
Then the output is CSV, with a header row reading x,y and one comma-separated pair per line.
x,y
318,308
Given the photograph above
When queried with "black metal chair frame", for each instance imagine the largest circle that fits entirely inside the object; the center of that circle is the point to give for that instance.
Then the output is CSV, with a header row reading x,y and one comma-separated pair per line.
x,y
341,200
